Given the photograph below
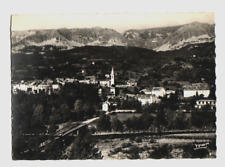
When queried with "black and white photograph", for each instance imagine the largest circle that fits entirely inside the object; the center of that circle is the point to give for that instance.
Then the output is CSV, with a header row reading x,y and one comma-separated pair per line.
x,y
113,86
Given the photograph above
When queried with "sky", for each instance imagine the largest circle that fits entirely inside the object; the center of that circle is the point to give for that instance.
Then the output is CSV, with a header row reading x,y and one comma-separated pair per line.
x,y
117,21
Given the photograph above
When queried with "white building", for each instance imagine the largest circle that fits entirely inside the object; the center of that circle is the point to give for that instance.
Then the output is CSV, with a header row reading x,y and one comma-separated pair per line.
x,y
100,91
42,88
204,102
105,106
35,87
55,87
196,89
158,91
147,99
104,83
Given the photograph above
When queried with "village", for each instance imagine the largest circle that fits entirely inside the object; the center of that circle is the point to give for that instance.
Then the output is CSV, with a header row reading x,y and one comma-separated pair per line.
x,y
126,110
109,91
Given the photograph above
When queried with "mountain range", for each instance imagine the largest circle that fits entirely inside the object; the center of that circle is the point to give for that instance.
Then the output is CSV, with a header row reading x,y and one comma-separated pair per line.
x,y
158,39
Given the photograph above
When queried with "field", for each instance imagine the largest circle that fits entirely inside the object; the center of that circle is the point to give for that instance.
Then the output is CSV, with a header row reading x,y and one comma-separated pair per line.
x,y
147,146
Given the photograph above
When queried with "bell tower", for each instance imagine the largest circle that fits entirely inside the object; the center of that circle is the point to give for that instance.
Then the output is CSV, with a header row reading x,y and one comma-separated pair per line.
x,y
112,78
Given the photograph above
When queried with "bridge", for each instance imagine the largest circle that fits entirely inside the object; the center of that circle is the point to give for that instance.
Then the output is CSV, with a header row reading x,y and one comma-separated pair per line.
x,y
70,128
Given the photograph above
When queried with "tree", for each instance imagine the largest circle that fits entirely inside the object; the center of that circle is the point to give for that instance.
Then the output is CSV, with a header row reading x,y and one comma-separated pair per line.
x,y
78,107
89,111
117,125
147,120
52,130
160,120
83,147
62,114
196,119
104,124
38,114
180,123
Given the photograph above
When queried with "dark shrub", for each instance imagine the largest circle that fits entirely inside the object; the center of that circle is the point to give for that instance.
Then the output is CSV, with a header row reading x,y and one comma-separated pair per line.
x,y
138,140
162,152
125,145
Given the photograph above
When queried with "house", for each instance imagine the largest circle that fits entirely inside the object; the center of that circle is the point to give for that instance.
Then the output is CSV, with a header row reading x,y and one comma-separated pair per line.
x,y
60,81
55,87
196,89
105,106
204,102
92,79
88,80
84,81
42,87
125,111
147,99
130,95
69,80
144,99
110,96
27,87
146,91
34,87
168,92
21,87
132,82
100,91
104,83
113,90
107,75
158,91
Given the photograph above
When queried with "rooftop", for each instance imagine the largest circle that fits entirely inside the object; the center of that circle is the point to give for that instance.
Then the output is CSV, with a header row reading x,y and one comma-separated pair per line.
x,y
196,86
143,96
157,88
206,100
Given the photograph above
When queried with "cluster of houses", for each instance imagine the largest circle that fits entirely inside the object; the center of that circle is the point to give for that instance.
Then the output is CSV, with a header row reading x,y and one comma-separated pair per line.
x,y
149,96
196,89
145,96
35,87
199,89
48,86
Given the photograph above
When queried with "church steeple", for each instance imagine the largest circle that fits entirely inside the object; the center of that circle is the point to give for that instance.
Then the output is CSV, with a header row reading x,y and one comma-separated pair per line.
x,y
112,77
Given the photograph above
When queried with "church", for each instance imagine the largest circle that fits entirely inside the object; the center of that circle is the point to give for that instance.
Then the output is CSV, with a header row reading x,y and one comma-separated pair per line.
x,y
108,82
112,91
112,83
